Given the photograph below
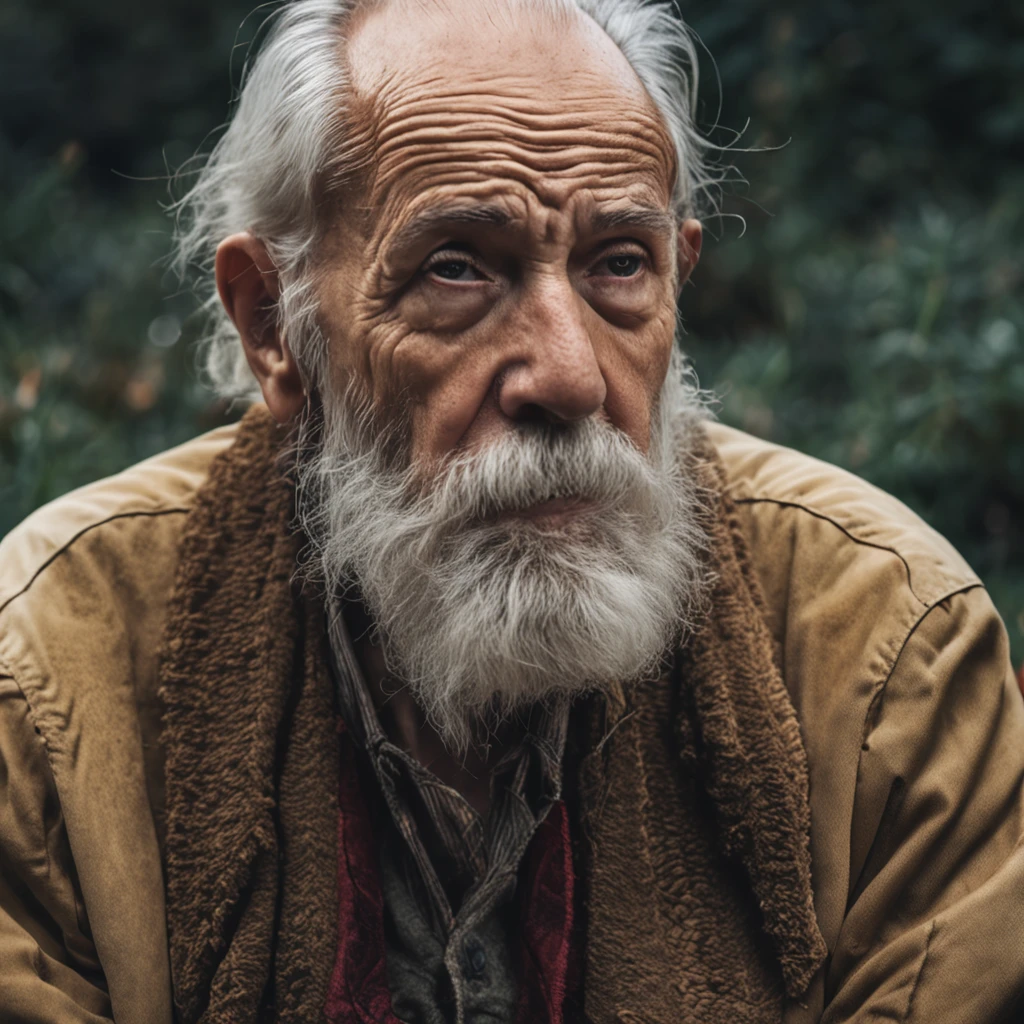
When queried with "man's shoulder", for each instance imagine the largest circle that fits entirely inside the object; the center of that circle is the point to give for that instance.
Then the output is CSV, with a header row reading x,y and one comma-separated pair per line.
x,y
85,585
848,574
87,576
800,512
858,591
159,487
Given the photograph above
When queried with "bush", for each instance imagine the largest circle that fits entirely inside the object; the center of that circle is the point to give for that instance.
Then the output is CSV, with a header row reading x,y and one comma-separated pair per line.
x,y
871,314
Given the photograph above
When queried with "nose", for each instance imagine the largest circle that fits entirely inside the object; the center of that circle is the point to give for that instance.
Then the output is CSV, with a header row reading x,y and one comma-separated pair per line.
x,y
557,373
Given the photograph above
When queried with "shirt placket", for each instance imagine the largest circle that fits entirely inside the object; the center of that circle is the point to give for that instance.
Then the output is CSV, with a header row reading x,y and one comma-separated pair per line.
x,y
491,855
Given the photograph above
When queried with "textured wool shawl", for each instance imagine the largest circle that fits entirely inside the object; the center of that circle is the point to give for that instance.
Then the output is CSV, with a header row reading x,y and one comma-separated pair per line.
x,y
692,789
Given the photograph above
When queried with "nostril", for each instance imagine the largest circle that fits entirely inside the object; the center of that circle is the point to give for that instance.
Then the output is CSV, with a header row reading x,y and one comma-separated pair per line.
x,y
530,414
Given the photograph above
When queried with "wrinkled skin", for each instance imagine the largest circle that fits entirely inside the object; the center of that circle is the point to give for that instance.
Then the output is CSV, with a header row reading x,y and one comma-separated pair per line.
x,y
511,254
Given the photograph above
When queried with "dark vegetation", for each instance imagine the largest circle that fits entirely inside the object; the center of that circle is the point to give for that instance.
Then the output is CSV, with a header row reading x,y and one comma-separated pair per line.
x,y
872,314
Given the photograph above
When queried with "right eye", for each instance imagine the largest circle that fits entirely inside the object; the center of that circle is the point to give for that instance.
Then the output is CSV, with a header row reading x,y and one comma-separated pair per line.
x,y
453,266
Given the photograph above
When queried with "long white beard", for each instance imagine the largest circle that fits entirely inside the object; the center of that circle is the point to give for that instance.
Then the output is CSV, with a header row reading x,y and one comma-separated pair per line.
x,y
481,613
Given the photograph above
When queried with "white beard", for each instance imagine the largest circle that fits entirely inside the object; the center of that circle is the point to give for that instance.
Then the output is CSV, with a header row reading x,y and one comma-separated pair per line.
x,y
481,613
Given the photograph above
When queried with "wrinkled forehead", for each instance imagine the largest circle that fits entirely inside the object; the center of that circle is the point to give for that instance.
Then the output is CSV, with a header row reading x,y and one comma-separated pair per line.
x,y
513,95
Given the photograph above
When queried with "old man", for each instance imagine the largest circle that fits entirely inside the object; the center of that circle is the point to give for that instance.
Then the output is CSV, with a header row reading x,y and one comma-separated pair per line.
x,y
477,675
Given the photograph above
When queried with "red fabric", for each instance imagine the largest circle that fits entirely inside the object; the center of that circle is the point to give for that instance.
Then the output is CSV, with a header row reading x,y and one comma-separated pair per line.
x,y
358,993
546,920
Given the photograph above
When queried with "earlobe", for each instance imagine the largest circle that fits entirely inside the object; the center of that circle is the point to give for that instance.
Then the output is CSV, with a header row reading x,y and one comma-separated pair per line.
x,y
689,240
249,288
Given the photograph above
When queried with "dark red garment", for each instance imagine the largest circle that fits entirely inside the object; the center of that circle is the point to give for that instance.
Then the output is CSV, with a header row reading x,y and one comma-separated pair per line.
x,y
546,916
358,992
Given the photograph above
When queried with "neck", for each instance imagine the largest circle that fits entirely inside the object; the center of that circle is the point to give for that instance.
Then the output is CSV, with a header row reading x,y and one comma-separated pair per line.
x,y
407,727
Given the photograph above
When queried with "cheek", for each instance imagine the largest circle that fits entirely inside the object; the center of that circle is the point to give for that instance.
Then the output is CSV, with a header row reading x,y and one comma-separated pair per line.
x,y
442,382
634,363
625,304
425,357
369,342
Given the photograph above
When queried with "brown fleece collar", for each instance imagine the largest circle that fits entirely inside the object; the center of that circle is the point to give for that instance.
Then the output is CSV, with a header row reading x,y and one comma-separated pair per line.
x,y
708,769
694,807
742,732
251,756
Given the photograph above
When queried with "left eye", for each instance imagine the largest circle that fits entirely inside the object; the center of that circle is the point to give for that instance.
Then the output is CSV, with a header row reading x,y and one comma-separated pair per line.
x,y
452,264
454,270
624,264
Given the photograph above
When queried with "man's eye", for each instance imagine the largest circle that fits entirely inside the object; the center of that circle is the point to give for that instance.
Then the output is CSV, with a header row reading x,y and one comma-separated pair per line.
x,y
454,269
624,264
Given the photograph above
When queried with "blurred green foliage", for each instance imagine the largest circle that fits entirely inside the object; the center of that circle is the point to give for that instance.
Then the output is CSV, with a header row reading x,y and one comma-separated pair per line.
x,y
873,312
862,299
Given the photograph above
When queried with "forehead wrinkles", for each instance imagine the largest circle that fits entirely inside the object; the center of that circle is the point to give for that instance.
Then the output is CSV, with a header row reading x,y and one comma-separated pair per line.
x,y
576,112
459,138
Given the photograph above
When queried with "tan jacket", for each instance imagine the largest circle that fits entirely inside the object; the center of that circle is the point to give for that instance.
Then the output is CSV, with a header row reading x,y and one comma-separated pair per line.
x,y
894,657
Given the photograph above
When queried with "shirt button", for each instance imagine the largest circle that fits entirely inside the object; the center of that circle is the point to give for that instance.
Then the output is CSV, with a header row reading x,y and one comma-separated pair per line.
x,y
476,957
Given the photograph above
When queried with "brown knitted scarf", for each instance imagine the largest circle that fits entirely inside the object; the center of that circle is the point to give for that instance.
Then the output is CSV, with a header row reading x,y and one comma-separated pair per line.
x,y
692,796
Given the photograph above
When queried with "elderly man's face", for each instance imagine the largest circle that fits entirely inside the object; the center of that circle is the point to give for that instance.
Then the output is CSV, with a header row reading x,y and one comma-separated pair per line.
x,y
515,258
500,284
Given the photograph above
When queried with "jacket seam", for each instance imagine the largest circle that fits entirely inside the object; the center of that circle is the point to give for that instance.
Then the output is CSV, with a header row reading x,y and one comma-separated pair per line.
x,y
920,970
880,690
916,625
81,913
961,585
57,552
7,673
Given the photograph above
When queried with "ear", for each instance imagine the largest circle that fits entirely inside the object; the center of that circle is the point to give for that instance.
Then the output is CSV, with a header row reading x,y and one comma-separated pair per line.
x,y
248,286
689,240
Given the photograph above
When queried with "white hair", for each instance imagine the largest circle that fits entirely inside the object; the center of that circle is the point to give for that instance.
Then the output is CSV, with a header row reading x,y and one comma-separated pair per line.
x,y
480,612
285,149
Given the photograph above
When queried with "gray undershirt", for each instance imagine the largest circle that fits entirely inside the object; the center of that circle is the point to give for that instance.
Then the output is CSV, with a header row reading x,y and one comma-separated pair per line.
x,y
448,874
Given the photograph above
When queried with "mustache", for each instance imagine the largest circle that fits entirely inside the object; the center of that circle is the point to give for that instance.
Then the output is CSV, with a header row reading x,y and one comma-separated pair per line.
x,y
589,459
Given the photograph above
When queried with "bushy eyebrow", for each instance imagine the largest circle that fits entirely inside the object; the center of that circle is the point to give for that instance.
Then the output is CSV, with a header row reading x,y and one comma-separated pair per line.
x,y
650,218
439,217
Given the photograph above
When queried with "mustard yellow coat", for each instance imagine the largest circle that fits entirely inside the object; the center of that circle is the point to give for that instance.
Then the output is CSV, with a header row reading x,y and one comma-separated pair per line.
x,y
894,658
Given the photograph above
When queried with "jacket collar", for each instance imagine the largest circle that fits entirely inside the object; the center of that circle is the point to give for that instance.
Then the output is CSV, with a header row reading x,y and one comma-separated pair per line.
x,y
251,754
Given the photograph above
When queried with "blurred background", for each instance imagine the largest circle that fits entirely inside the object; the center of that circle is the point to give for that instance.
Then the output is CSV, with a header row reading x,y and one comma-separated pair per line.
x,y
862,299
